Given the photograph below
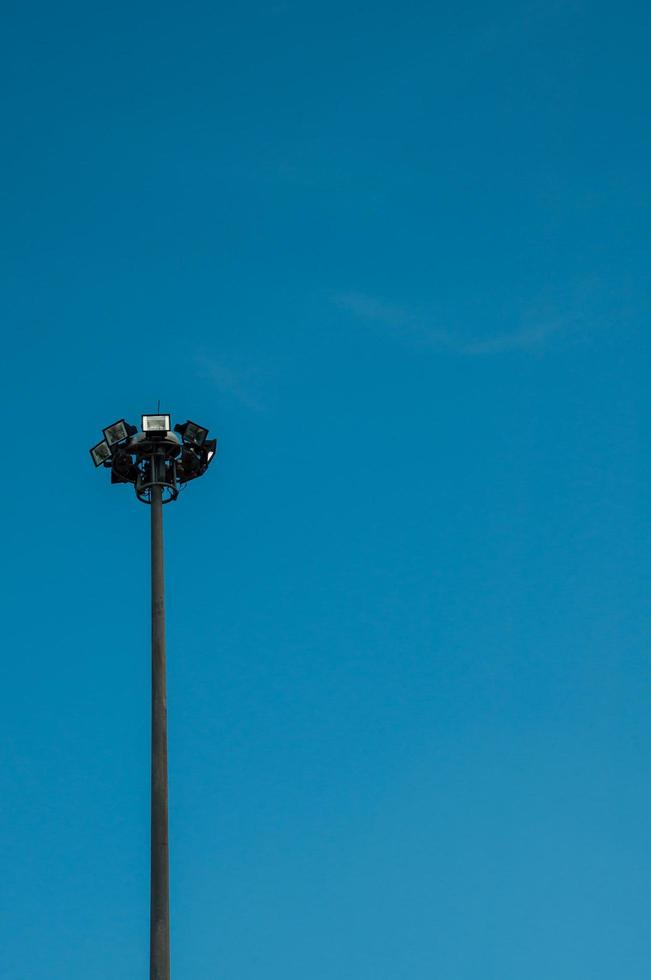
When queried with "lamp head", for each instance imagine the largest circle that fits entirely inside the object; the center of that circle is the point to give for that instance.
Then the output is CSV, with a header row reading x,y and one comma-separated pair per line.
x,y
210,447
191,433
100,453
156,424
118,432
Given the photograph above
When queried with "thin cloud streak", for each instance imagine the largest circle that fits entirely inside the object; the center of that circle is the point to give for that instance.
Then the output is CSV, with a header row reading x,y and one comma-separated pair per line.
x,y
397,318
527,338
239,385
372,308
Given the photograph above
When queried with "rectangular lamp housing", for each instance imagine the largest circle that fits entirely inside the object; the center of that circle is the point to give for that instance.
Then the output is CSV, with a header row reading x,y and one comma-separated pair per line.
x,y
195,433
115,433
100,453
156,423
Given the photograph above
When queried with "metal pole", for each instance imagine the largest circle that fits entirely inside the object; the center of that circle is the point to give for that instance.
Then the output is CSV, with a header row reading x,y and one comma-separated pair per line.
x,y
159,948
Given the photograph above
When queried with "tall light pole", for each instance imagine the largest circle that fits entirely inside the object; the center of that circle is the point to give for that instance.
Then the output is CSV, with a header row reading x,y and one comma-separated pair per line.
x,y
157,463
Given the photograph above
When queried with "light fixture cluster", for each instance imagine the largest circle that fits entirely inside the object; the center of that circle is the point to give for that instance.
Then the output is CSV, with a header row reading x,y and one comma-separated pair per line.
x,y
154,456
114,435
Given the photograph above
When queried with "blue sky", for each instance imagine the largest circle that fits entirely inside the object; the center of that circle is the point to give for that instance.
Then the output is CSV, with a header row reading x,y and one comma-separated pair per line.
x,y
397,260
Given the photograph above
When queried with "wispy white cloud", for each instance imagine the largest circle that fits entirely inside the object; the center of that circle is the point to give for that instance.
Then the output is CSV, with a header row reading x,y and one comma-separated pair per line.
x,y
372,308
532,335
242,385
526,338
396,318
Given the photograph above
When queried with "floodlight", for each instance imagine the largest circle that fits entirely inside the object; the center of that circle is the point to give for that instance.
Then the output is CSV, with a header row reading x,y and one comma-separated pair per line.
x,y
119,431
156,423
192,433
100,453
124,469
210,447
190,466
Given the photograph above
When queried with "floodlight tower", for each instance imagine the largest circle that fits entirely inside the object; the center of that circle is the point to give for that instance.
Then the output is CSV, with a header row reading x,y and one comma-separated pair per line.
x,y
157,463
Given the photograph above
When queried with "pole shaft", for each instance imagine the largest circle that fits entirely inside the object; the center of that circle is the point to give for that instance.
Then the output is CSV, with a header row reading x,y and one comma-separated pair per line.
x,y
159,948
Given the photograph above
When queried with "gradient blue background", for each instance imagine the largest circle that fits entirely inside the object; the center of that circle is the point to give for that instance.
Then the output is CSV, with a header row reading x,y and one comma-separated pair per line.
x,y
396,258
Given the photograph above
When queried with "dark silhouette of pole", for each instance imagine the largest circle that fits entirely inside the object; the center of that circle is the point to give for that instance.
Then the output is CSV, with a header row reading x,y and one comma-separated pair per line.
x,y
159,949
157,462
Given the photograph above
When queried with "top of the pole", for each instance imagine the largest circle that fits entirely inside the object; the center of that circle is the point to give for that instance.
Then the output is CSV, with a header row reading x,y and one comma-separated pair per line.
x,y
155,456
